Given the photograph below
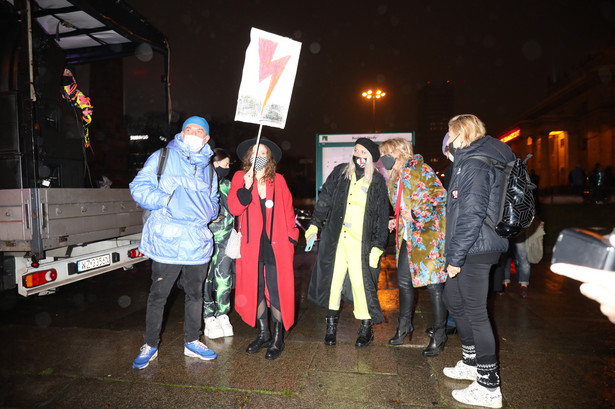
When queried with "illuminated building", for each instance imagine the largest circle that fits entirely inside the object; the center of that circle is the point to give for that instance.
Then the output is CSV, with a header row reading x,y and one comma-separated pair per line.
x,y
574,124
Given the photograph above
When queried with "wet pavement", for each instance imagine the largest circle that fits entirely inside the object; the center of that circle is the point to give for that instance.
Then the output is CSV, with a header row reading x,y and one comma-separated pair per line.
x,y
74,349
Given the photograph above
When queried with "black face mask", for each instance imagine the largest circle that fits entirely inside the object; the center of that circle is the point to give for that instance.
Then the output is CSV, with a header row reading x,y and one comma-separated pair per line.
x,y
222,172
359,162
452,149
388,161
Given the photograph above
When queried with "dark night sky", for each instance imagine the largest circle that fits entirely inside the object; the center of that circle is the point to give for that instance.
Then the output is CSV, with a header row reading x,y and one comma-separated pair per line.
x,y
499,55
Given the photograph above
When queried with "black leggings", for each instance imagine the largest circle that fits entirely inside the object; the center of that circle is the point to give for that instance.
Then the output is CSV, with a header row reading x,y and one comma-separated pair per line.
x,y
268,275
465,296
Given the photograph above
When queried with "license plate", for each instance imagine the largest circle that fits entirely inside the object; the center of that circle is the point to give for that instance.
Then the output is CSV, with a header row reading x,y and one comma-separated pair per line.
x,y
92,263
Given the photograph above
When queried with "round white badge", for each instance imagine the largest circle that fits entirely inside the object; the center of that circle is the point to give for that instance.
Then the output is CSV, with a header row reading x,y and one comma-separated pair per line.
x,y
269,204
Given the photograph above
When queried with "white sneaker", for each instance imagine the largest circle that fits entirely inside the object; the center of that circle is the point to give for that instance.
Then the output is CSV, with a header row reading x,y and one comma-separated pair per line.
x,y
213,329
461,371
226,326
478,395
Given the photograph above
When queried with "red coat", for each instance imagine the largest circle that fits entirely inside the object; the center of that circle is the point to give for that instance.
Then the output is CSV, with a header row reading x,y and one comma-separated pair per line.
x,y
284,227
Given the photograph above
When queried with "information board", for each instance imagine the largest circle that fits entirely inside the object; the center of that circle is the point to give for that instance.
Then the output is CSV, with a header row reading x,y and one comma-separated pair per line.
x,y
333,149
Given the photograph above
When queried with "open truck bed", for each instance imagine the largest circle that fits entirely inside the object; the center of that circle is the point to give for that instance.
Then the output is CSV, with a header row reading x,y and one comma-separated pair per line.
x,y
55,235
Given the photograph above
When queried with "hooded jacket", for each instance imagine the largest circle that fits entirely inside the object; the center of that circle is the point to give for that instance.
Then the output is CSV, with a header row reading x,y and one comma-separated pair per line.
x,y
473,195
182,204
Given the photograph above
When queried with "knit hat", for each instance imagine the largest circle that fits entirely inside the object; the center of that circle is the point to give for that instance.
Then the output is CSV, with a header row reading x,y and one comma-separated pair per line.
x,y
444,143
197,120
371,147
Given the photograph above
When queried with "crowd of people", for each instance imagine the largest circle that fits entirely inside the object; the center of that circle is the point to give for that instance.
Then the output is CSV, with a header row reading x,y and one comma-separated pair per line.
x,y
442,242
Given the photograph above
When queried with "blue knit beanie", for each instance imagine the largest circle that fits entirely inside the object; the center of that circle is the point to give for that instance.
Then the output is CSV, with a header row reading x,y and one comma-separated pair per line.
x,y
197,120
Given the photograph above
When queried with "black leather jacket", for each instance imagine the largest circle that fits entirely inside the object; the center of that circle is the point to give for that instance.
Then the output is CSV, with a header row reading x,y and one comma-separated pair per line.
x,y
473,195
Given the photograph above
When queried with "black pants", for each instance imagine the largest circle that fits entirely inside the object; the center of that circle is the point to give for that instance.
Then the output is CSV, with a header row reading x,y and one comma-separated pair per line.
x,y
465,296
163,279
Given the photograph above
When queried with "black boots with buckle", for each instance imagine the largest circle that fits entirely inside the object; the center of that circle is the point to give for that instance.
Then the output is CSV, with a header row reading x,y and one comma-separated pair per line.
x,y
277,346
263,340
331,334
366,335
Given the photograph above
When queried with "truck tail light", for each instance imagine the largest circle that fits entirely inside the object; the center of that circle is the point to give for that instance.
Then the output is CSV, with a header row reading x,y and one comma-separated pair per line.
x,y
39,278
135,253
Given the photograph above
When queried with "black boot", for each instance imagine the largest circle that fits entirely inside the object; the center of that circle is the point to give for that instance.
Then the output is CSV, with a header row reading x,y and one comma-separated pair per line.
x,y
366,335
433,349
277,346
331,335
263,340
406,305
405,328
438,338
449,331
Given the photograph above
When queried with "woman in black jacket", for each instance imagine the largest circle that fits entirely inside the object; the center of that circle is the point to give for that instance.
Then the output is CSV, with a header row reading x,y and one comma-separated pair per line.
x,y
472,246
352,214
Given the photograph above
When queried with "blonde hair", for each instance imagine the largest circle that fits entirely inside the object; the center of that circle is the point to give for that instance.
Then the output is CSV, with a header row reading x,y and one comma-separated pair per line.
x,y
270,166
401,149
468,127
350,169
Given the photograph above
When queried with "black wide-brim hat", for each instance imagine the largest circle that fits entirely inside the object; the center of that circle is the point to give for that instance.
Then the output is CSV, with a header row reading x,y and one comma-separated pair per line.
x,y
244,146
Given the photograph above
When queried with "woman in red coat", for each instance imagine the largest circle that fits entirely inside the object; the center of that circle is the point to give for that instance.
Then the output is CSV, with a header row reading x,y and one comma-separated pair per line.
x,y
265,275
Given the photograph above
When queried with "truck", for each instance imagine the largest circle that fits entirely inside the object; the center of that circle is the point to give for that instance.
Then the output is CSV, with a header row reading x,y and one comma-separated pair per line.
x,y
55,229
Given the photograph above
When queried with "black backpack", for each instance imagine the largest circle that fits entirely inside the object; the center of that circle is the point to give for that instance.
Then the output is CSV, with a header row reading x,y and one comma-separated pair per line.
x,y
517,207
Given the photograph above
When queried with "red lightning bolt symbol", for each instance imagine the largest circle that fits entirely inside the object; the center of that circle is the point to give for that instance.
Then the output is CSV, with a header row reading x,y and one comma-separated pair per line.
x,y
266,49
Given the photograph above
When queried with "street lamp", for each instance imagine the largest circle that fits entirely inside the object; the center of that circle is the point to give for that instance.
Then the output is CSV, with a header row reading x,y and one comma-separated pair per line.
x,y
369,94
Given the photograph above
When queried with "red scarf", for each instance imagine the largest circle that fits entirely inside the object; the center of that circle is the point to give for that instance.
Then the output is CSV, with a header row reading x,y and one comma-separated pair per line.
x,y
398,211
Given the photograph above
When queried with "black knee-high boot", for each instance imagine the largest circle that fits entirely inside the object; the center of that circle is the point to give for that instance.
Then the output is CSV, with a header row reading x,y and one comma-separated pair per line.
x,y
406,301
263,339
438,339
277,346
331,334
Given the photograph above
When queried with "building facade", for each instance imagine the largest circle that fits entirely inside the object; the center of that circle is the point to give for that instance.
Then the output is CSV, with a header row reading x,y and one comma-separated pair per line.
x,y
574,124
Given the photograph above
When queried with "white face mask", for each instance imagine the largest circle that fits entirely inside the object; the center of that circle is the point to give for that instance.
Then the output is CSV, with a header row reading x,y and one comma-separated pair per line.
x,y
194,142
450,156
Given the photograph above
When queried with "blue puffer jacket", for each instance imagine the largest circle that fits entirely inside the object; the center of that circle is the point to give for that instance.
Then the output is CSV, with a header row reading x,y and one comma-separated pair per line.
x,y
182,204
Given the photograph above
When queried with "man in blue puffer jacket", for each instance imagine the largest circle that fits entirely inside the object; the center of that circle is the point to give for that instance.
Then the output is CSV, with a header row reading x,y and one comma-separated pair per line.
x,y
175,235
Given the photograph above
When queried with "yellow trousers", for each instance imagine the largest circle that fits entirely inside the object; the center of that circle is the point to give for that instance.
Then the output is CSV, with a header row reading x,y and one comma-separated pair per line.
x,y
348,261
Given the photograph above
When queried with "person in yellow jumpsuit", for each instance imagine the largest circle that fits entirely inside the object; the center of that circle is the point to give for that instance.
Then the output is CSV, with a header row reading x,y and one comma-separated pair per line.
x,y
352,214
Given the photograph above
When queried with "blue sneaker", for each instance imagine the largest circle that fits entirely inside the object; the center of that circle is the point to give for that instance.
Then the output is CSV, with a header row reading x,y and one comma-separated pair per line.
x,y
147,354
197,349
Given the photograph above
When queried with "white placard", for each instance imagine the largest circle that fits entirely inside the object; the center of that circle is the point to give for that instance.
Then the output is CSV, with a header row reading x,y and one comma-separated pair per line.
x,y
268,77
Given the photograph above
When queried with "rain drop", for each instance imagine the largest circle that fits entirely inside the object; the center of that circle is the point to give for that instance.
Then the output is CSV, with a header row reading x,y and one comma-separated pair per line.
x,y
43,319
315,48
144,52
531,50
78,299
124,301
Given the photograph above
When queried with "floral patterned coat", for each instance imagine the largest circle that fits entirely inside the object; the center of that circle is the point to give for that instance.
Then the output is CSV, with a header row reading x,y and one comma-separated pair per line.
x,y
424,194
